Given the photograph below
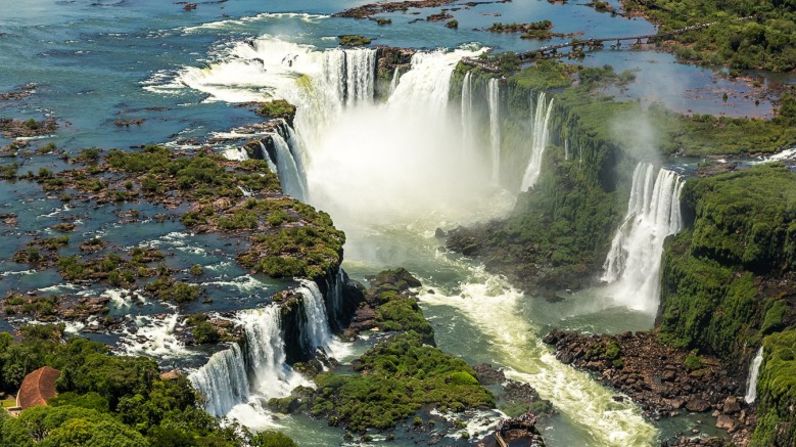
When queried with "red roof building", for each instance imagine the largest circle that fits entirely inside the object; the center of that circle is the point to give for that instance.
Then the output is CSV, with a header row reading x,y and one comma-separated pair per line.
x,y
38,387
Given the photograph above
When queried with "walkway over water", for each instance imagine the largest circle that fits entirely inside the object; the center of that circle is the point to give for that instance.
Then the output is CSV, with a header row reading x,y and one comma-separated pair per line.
x,y
550,51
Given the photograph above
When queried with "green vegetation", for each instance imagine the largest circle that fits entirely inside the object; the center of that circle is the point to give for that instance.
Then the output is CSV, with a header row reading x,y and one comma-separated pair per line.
x,y
720,292
776,391
106,400
202,330
397,378
764,41
8,171
278,108
542,29
286,238
354,40
395,304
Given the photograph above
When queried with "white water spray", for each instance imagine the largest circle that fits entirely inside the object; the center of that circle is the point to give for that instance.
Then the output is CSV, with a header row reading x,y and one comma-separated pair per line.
x,y
515,342
318,332
540,133
222,381
754,371
493,100
653,212
290,177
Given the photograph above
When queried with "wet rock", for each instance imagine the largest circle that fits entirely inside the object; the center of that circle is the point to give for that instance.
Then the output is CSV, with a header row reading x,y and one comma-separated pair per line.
x,y
726,422
697,405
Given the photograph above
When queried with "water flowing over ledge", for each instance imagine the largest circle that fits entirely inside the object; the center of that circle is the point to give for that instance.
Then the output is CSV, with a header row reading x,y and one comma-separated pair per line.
x,y
754,371
633,263
249,373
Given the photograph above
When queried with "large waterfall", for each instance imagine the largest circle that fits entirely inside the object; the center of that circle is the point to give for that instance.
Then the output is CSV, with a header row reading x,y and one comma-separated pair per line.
x,y
653,212
493,100
540,132
754,372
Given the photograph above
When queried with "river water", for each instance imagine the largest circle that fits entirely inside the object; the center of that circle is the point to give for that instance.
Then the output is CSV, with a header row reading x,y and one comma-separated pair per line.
x,y
389,174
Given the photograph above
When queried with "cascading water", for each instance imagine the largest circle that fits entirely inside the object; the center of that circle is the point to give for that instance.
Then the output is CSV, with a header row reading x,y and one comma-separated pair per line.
x,y
235,376
493,100
538,142
389,181
267,158
653,212
318,333
287,169
265,353
360,75
223,381
396,76
467,114
754,371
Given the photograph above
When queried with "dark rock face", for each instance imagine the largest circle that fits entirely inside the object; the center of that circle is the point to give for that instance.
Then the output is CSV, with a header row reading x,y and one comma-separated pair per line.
x,y
663,380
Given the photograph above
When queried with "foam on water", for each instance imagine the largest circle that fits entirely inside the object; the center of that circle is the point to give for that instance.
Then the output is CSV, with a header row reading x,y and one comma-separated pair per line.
x,y
517,345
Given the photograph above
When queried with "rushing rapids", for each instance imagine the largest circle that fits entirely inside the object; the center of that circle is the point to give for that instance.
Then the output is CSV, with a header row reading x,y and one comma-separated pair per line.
x,y
633,263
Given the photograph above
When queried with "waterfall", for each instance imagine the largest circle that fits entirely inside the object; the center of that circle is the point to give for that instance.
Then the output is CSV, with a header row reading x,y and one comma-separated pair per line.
x,y
222,381
754,371
467,114
360,71
287,169
427,83
235,154
235,376
350,74
493,99
396,76
267,158
335,293
334,75
653,212
265,353
540,133
318,332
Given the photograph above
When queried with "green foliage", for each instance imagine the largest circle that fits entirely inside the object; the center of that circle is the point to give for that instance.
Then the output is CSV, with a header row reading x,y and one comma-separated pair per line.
x,y
545,74
763,42
353,40
692,361
278,108
402,313
271,438
399,376
743,233
8,171
776,391
104,400
746,218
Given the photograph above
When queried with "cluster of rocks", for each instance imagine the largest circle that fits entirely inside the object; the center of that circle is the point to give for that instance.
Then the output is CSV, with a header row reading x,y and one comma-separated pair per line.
x,y
663,380
18,93
14,128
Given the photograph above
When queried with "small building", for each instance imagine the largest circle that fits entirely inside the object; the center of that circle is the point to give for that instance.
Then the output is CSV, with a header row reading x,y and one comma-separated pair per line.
x,y
37,388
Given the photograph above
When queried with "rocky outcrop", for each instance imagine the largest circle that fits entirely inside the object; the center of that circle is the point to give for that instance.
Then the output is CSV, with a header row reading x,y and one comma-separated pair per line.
x,y
663,380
